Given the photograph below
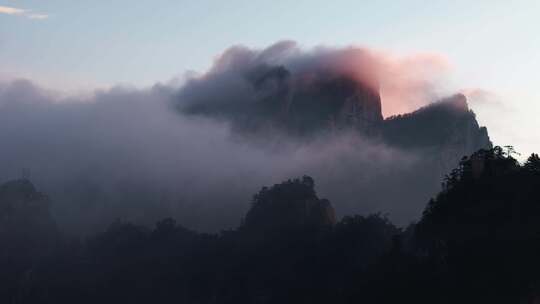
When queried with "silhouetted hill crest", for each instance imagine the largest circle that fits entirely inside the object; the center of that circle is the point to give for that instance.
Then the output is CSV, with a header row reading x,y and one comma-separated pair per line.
x,y
289,205
26,225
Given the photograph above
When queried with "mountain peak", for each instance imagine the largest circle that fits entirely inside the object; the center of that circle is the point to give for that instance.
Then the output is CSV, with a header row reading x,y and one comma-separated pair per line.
x,y
289,205
456,102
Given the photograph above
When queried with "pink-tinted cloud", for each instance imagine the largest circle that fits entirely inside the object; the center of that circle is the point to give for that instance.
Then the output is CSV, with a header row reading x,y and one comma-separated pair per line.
x,y
481,96
409,82
7,10
404,82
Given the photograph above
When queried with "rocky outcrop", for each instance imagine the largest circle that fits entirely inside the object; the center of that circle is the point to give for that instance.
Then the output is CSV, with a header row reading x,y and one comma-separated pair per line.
x,y
278,101
288,206
329,102
25,221
335,103
447,130
300,104
306,103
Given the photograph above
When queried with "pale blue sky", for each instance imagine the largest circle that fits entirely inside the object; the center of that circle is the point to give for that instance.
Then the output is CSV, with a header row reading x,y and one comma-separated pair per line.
x,y
492,44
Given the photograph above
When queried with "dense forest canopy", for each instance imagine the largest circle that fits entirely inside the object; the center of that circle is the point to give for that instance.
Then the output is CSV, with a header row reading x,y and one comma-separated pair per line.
x,y
477,241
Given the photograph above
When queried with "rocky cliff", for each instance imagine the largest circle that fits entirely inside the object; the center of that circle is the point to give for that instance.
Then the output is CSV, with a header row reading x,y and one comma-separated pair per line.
x,y
305,103
333,102
302,104
446,130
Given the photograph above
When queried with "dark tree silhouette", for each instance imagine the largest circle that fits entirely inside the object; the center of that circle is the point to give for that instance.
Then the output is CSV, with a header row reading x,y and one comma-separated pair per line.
x,y
478,241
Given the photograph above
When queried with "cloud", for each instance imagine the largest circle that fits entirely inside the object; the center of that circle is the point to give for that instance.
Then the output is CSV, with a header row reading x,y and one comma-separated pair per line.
x,y
133,154
405,83
38,16
128,153
409,82
483,97
22,12
11,10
